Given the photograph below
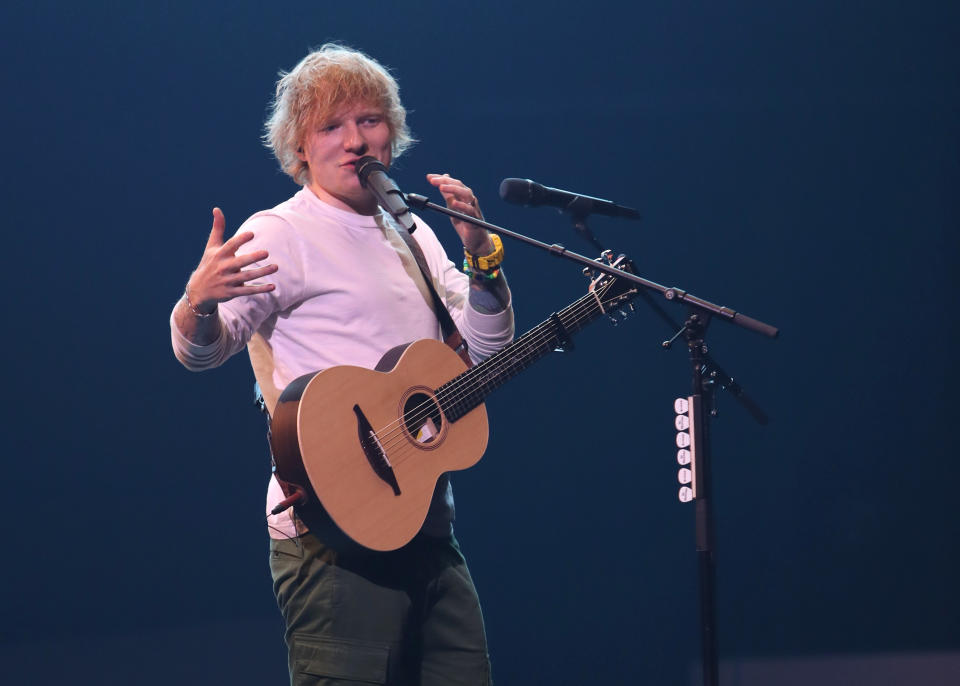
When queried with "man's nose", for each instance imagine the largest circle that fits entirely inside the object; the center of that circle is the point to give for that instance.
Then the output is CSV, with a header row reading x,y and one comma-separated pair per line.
x,y
353,140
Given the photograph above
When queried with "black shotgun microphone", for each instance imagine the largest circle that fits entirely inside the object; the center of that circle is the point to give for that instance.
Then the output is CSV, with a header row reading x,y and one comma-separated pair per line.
x,y
527,192
373,176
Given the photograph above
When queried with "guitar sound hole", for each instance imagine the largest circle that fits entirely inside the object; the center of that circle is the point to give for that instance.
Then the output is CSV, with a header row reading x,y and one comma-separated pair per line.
x,y
422,417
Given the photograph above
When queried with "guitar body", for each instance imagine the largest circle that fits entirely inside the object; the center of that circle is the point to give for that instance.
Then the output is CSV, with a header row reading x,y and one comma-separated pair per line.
x,y
370,445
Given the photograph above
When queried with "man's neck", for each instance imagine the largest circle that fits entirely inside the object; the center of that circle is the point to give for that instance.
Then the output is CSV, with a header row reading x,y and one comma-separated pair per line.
x,y
366,205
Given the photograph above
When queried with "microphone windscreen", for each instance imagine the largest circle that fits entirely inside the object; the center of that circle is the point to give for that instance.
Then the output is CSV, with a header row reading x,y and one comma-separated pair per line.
x,y
366,166
517,191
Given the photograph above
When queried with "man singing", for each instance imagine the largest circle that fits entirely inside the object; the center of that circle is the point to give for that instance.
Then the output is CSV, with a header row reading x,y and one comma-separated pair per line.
x,y
325,279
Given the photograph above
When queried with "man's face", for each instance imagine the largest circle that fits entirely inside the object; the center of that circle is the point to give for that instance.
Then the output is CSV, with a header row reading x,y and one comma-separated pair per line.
x,y
336,144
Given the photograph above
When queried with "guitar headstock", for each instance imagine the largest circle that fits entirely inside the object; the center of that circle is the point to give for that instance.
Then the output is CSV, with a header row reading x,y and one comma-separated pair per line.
x,y
610,291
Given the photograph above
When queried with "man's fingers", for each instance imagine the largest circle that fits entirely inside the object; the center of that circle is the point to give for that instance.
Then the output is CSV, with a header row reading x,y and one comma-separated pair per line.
x,y
464,207
219,225
457,190
458,196
452,188
252,289
241,277
440,180
245,260
232,245
261,271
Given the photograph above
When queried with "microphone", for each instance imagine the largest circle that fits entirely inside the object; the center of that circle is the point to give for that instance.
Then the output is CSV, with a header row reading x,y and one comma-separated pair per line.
x,y
532,194
373,176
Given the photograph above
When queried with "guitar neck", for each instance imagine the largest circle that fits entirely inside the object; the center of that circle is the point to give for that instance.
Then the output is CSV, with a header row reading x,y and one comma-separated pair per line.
x,y
460,395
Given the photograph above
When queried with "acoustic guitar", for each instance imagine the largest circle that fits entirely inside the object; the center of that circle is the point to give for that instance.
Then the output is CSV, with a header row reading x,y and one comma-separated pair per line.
x,y
369,445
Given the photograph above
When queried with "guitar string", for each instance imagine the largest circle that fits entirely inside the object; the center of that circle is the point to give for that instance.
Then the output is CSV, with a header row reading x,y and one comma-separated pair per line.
x,y
392,434
392,437
492,364
589,306
400,448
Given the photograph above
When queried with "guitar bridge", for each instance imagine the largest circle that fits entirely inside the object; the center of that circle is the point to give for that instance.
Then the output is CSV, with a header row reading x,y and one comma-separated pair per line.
x,y
373,449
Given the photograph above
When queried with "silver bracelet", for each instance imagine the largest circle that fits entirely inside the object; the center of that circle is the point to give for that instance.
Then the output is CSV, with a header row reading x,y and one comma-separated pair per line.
x,y
196,312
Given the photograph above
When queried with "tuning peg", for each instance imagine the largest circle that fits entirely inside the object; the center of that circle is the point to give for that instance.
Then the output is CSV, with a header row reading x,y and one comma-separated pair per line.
x,y
587,272
607,256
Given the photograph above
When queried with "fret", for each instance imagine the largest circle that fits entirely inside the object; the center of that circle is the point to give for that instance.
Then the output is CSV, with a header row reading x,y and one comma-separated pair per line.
x,y
465,392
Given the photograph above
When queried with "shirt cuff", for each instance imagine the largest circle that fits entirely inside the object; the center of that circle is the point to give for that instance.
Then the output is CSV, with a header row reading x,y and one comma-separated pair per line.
x,y
196,357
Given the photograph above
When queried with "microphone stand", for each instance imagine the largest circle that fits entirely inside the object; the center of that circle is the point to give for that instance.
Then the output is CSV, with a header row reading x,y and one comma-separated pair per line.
x,y
706,375
671,293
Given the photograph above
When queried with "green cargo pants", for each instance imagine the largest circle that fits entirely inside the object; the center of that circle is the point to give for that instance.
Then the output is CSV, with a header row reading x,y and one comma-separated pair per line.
x,y
406,617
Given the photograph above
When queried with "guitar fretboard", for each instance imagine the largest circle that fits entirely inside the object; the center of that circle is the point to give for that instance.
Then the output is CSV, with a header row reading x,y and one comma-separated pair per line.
x,y
465,392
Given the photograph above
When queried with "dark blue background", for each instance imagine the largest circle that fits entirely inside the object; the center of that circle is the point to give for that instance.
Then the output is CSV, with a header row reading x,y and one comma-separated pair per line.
x,y
796,161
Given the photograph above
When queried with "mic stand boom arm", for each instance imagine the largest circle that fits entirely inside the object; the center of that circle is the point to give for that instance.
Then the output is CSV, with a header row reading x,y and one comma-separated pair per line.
x,y
670,293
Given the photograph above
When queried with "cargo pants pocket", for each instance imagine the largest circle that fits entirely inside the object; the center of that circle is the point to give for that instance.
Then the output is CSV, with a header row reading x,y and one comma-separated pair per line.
x,y
325,661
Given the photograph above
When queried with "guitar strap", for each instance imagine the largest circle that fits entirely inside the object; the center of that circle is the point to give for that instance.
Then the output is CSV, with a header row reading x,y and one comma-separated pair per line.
x,y
451,335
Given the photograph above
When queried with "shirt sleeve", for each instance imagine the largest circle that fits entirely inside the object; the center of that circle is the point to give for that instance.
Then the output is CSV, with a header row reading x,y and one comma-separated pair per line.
x,y
241,317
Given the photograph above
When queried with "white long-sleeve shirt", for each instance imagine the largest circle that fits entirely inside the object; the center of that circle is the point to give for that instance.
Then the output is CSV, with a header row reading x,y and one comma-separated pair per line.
x,y
347,290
